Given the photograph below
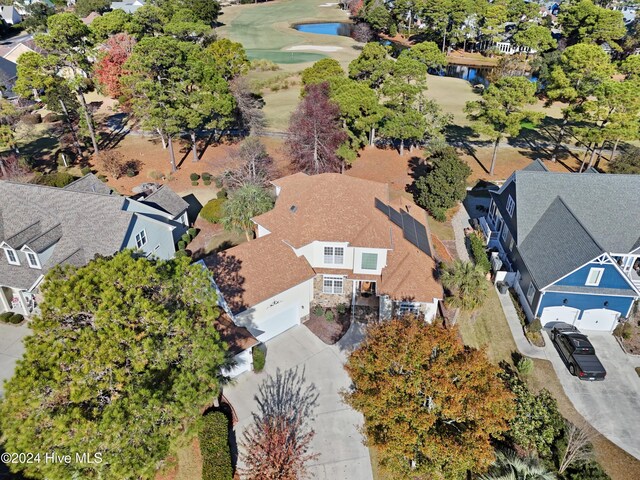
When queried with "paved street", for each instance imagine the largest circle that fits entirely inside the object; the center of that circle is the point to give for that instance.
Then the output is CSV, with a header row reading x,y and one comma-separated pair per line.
x,y
611,406
337,439
11,349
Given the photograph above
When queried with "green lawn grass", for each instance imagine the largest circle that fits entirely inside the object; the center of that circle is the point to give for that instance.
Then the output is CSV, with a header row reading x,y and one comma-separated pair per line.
x,y
488,328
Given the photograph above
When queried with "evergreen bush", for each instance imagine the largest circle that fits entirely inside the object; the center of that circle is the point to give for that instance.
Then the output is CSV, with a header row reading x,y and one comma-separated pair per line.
x,y
214,447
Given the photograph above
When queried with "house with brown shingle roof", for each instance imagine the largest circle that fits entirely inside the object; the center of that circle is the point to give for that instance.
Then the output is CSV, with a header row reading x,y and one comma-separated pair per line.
x,y
330,239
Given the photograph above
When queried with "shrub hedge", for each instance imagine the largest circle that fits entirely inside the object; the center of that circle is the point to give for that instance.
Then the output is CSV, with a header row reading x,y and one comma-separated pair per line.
x,y
479,253
222,193
212,211
10,317
56,179
214,447
259,359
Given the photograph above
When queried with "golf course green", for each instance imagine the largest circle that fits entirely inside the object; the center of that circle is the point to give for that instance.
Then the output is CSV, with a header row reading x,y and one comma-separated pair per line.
x,y
265,30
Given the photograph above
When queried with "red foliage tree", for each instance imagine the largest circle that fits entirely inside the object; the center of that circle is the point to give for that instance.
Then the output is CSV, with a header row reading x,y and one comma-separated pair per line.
x,y
315,132
109,67
276,446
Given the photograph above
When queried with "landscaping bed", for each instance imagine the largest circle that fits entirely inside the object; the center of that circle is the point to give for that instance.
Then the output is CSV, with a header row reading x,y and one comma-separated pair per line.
x,y
628,334
329,324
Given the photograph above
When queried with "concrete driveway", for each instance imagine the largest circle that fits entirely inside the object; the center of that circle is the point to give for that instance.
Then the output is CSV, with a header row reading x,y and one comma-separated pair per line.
x,y
337,437
611,406
11,349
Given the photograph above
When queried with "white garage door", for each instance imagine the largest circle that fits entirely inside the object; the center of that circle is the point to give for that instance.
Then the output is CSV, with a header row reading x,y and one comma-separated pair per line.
x,y
598,319
275,325
559,314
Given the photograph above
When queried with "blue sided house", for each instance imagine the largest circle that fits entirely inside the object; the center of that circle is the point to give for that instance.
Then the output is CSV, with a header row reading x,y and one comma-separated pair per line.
x,y
570,242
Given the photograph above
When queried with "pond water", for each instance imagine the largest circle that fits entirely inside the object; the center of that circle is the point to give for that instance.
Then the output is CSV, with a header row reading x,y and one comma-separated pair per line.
x,y
336,28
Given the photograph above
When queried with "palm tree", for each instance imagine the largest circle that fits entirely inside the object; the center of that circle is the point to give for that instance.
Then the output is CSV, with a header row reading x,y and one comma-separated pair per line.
x,y
466,282
245,203
509,466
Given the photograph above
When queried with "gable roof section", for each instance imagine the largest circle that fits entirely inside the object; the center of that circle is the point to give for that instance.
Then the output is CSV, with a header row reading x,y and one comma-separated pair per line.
x,y
89,184
80,225
167,200
536,166
558,243
256,271
329,208
606,205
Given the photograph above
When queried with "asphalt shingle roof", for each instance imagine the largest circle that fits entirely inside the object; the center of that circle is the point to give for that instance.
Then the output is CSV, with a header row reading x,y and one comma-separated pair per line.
x,y
607,205
557,245
89,184
166,199
85,224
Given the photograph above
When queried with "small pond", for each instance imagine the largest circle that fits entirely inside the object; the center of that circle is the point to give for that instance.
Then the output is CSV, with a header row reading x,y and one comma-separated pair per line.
x,y
336,28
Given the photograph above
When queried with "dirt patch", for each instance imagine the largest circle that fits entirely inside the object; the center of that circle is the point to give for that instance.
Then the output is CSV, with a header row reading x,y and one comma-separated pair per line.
x,y
329,331
155,161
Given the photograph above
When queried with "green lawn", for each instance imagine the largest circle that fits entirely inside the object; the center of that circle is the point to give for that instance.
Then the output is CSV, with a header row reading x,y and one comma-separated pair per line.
x,y
488,327
265,31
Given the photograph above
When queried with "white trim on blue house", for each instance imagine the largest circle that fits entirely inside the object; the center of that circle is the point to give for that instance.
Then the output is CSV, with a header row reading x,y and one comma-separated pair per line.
x,y
603,259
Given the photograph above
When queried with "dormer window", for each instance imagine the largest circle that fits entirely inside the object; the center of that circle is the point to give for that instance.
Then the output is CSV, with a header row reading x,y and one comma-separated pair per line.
x,y
511,205
32,258
12,256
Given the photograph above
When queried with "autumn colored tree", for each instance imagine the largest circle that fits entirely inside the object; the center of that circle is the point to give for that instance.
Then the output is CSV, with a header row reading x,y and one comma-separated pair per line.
x,y
110,66
314,132
431,404
276,445
112,162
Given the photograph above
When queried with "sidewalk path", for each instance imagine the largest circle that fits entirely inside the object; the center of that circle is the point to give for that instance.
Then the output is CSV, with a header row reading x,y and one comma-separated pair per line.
x,y
459,222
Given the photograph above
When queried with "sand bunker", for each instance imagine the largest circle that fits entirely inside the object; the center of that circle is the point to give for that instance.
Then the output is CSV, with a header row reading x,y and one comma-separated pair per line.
x,y
328,5
317,48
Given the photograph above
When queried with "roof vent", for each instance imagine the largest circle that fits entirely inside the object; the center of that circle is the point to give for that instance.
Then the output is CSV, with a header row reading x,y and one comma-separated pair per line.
x,y
293,209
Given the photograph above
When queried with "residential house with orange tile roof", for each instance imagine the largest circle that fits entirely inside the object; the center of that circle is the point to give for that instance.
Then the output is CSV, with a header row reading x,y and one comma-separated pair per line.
x,y
330,239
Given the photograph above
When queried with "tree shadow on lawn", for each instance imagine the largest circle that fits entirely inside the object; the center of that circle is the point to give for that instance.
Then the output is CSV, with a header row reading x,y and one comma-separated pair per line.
x,y
117,130
462,137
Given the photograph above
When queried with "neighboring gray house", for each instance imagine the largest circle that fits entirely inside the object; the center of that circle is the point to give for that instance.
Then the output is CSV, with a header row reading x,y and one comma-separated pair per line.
x,y
41,227
129,6
10,15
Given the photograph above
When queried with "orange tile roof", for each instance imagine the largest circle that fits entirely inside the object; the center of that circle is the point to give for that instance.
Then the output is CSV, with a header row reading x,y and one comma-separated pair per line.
x,y
257,270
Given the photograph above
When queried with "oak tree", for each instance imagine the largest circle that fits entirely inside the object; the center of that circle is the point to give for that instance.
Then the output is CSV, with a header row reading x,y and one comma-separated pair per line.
x,y
431,405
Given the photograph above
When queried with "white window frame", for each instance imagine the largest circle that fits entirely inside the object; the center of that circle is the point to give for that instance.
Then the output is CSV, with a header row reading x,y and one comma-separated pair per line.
x,y
511,242
11,251
332,285
406,308
36,262
333,255
141,238
531,291
505,230
511,205
594,282
362,267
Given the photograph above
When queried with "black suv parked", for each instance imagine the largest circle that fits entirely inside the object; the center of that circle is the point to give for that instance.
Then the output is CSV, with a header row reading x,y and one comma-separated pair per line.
x,y
578,353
